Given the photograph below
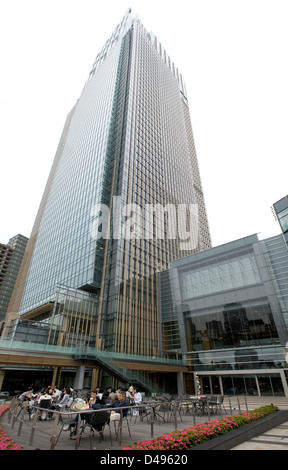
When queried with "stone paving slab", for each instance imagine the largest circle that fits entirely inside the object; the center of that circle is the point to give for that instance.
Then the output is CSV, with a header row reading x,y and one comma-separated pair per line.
x,y
275,439
141,430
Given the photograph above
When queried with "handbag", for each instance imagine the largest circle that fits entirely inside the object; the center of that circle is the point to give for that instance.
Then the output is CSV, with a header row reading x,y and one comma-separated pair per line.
x,y
80,406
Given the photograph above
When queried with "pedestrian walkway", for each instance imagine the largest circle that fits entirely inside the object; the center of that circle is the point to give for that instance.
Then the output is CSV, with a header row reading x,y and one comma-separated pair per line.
x,y
274,439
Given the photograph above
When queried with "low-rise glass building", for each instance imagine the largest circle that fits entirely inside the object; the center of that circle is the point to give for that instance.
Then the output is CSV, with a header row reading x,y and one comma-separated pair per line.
x,y
226,309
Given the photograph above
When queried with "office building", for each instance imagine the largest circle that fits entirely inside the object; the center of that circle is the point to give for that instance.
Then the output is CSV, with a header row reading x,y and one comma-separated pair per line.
x,y
127,149
281,211
226,309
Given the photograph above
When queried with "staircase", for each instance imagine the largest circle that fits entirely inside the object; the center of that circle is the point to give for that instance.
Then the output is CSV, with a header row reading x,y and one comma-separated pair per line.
x,y
109,362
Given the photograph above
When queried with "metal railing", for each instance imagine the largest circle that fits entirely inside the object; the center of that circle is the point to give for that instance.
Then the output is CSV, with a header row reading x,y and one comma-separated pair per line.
x,y
150,411
18,416
110,361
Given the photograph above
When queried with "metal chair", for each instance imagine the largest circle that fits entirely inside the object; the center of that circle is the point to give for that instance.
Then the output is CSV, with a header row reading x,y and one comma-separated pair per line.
x,y
65,417
190,405
216,403
176,409
42,407
220,404
212,403
163,411
118,424
145,409
25,405
96,421
201,405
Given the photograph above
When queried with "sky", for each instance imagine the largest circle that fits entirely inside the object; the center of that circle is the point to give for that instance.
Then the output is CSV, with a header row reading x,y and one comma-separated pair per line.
x,y
233,57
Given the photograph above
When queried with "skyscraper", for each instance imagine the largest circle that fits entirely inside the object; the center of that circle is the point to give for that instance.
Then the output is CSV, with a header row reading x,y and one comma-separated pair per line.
x,y
281,211
11,256
114,211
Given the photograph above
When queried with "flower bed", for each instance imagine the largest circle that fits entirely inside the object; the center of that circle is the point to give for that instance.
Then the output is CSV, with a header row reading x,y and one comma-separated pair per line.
x,y
6,442
193,436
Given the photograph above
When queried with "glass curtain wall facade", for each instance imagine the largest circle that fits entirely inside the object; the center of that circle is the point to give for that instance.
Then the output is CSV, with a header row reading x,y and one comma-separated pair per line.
x,y
11,256
226,309
281,210
127,143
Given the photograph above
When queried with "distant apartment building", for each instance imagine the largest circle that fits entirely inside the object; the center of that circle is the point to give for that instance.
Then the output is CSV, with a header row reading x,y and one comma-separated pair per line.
x,y
11,256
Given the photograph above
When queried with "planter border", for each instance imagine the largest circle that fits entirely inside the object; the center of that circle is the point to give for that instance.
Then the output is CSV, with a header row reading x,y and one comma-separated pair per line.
x,y
244,433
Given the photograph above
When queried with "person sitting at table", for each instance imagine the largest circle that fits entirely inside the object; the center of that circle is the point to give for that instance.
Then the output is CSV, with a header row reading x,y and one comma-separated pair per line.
x,y
44,401
120,403
27,399
62,403
26,396
113,395
137,401
94,403
105,397
65,398
56,395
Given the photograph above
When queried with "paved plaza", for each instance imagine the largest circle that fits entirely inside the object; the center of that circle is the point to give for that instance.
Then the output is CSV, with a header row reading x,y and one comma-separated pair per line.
x,y
141,430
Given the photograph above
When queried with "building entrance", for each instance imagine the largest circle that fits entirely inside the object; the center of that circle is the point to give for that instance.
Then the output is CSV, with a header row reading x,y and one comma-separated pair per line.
x,y
244,384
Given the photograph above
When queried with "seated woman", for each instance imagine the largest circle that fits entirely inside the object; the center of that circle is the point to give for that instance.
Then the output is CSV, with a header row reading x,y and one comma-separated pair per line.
x,y
65,398
62,403
44,401
137,401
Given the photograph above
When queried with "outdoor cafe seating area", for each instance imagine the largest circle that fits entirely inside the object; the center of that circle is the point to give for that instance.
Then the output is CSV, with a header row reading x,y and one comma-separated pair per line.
x,y
167,408
152,415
